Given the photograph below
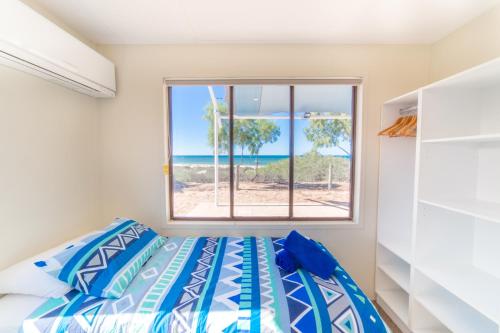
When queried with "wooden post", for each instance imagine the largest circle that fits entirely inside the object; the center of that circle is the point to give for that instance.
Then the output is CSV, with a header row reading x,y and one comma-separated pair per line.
x,y
216,144
329,177
237,180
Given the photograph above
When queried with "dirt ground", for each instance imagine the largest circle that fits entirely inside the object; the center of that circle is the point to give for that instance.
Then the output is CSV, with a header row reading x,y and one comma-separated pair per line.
x,y
189,195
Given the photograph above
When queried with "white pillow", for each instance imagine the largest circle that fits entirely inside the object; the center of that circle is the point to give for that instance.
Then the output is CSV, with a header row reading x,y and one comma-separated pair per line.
x,y
27,279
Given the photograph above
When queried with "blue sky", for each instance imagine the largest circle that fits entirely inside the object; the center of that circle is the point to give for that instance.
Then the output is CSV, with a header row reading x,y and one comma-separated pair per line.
x,y
190,130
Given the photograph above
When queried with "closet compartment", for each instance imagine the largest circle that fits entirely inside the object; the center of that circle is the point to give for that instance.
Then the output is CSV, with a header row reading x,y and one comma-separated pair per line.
x,y
396,182
462,177
393,267
464,106
461,254
452,313
424,322
393,299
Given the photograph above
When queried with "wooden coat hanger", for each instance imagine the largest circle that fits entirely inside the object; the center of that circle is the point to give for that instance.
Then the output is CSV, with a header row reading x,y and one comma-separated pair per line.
x,y
394,126
405,125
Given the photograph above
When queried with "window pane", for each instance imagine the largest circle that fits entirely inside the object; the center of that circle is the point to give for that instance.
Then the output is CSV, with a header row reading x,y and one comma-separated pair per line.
x,y
322,145
261,151
200,159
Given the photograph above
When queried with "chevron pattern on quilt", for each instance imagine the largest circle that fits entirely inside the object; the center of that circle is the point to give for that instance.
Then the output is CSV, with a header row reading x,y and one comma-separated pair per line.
x,y
183,312
267,301
87,316
159,288
300,308
214,285
346,322
231,275
99,261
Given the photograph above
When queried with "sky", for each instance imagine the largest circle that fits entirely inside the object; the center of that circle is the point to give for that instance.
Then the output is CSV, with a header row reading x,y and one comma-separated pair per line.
x,y
190,130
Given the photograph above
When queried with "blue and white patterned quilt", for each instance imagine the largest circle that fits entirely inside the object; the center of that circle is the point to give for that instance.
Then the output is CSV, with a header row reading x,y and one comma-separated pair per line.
x,y
227,284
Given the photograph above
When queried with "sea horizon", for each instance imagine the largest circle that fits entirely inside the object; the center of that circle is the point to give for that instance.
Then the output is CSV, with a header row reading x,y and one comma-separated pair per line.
x,y
238,159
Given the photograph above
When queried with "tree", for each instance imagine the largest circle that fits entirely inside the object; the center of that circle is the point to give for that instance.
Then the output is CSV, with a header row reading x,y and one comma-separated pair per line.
x,y
251,134
261,132
241,130
223,138
326,133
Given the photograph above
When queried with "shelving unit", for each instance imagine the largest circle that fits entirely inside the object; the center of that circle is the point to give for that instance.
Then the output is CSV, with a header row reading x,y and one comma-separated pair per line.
x,y
438,252
475,208
395,215
473,139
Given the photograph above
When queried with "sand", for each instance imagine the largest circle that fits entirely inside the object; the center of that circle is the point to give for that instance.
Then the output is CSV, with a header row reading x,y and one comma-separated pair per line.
x,y
189,195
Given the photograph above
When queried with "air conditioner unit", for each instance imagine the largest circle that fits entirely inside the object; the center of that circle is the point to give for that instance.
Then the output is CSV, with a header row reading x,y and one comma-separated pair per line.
x,y
31,43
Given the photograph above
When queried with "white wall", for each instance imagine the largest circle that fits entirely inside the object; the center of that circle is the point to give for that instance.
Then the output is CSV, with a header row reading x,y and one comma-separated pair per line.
x,y
132,124
476,42
49,162
56,145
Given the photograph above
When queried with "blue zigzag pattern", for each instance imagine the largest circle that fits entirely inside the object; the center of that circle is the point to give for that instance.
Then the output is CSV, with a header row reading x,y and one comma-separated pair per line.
x,y
99,261
182,313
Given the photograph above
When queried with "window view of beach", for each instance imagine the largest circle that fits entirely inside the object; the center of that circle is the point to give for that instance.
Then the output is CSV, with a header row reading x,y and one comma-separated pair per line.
x,y
322,168
261,190
322,131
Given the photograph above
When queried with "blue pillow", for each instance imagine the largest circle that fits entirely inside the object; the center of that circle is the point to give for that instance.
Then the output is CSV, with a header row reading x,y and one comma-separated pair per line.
x,y
286,261
312,256
104,264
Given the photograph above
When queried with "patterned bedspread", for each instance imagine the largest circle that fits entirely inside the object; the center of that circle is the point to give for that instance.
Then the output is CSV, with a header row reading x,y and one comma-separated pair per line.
x,y
226,284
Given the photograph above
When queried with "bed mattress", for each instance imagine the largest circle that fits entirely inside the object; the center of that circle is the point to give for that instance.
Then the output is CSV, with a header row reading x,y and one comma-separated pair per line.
x,y
14,309
226,284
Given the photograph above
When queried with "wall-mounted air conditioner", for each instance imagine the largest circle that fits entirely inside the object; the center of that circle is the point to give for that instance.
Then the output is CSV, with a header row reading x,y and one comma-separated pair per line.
x,y
30,42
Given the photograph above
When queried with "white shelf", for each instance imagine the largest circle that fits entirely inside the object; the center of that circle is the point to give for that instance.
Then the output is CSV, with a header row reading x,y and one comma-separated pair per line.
x,y
466,139
479,290
453,315
400,249
484,210
445,231
397,301
406,99
398,273
479,76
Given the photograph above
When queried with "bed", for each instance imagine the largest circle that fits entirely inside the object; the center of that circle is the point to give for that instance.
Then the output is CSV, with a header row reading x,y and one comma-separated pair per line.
x,y
204,284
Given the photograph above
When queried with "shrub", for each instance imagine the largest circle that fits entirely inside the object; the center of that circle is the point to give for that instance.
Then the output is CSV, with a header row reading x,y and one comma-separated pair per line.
x,y
310,167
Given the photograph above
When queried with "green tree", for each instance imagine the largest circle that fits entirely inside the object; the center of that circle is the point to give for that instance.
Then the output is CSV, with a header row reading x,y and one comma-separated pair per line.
x,y
241,127
223,129
260,132
326,133
251,134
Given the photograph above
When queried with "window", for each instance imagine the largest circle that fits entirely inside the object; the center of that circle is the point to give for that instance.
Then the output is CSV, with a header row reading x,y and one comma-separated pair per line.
x,y
261,151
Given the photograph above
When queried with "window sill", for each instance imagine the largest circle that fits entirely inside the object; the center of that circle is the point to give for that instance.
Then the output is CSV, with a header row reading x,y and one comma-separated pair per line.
x,y
258,225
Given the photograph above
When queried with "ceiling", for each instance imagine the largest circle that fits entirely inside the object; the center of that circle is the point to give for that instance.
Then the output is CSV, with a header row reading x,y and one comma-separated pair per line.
x,y
274,100
265,21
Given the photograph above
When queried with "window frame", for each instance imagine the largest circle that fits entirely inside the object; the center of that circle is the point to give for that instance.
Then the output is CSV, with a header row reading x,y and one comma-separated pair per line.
x,y
356,84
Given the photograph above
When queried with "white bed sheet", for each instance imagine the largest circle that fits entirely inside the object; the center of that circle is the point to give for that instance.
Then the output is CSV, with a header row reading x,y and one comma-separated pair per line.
x,y
14,309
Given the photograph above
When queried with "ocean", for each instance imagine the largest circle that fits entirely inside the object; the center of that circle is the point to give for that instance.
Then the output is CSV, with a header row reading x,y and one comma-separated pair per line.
x,y
224,159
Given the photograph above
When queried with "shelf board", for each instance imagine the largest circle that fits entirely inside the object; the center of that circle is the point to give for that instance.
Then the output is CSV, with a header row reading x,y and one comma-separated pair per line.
x,y
466,139
397,301
406,99
456,318
479,290
480,76
398,273
398,249
476,208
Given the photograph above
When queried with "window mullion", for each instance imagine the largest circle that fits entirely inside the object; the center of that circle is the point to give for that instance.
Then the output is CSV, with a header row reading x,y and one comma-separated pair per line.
x,y
231,152
291,153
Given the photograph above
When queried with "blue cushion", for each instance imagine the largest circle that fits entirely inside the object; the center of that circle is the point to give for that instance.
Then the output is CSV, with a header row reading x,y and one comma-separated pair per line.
x,y
312,256
104,264
286,261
